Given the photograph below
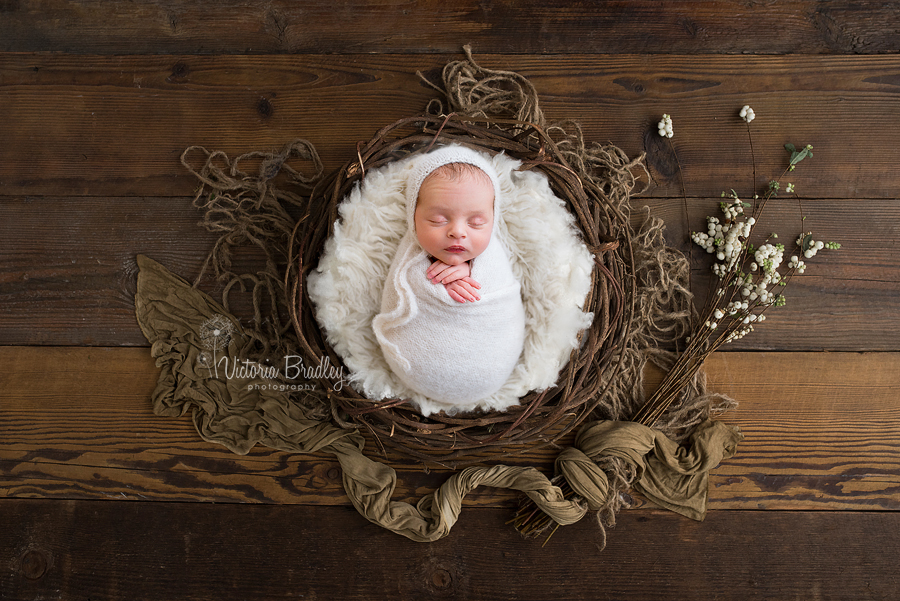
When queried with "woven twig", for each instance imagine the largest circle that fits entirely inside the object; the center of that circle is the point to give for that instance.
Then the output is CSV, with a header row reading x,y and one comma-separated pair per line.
x,y
542,417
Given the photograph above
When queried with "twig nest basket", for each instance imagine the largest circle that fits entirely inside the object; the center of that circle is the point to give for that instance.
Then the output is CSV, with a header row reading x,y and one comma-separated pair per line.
x,y
637,293
594,185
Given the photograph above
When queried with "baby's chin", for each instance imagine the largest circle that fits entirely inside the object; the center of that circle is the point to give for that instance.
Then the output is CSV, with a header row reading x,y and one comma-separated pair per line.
x,y
446,257
452,258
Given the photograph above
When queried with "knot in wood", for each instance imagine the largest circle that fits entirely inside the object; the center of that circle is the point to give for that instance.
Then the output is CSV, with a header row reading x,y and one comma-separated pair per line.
x,y
33,564
441,579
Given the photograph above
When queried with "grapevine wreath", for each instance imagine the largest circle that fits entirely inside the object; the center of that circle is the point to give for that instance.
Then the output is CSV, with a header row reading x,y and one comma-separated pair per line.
x,y
636,293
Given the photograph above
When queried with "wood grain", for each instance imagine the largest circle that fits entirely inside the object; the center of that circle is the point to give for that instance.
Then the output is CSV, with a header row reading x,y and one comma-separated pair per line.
x,y
69,277
817,426
426,26
821,428
81,550
72,121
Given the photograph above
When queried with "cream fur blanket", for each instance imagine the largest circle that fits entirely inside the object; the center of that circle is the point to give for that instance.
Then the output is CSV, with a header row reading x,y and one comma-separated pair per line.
x,y
547,258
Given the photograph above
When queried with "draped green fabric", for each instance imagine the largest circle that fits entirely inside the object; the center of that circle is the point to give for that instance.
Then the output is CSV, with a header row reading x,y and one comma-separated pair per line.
x,y
671,475
195,342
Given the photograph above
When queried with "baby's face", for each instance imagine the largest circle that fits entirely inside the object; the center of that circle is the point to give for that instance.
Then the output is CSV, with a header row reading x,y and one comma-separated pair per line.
x,y
454,218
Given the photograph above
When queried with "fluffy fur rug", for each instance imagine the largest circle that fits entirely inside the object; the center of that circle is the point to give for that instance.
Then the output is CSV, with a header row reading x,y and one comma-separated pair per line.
x,y
548,257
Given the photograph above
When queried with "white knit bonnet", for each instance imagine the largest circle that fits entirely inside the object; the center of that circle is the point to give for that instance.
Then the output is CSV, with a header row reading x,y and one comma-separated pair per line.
x,y
426,163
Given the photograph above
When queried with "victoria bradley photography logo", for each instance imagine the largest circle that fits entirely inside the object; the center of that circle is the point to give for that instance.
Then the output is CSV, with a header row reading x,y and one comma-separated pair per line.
x,y
216,334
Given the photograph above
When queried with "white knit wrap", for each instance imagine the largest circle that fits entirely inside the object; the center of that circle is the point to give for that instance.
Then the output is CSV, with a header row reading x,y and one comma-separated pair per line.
x,y
454,354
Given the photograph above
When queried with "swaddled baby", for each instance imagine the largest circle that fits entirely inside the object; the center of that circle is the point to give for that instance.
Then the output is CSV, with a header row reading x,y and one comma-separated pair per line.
x,y
452,323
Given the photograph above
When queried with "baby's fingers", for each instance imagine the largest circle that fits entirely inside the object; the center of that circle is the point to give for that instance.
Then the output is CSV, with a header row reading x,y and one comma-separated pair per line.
x,y
450,274
463,289
436,271
475,285
456,296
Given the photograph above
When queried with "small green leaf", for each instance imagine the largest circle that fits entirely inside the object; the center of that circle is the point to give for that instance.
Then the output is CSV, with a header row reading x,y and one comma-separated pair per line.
x,y
798,155
806,242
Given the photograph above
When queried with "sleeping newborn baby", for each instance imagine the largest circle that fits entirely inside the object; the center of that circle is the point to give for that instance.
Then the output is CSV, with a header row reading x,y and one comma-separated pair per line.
x,y
452,323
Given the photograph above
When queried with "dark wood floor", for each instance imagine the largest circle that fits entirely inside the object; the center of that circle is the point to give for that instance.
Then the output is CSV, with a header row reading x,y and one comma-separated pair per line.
x,y
100,499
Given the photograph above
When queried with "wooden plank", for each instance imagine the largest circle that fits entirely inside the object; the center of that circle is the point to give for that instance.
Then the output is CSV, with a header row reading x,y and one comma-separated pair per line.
x,y
817,426
530,27
69,277
67,550
822,431
72,120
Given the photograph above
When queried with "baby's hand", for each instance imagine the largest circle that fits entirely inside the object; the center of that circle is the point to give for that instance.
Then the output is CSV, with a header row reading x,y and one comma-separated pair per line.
x,y
464,290
456,280
441,273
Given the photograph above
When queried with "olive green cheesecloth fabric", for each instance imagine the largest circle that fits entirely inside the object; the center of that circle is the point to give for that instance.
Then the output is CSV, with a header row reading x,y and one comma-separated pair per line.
x,y
240,410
